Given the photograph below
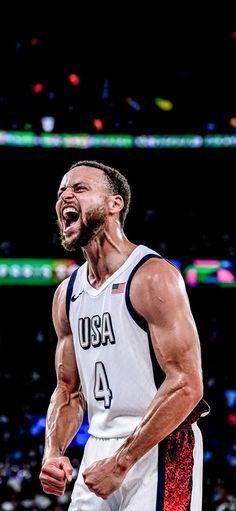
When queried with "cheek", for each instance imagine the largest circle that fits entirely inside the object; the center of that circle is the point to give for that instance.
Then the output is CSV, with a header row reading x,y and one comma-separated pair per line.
x,y
57,208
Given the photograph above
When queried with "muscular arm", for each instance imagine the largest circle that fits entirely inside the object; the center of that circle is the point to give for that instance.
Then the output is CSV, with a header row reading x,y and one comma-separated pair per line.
x,y
66,408
158,294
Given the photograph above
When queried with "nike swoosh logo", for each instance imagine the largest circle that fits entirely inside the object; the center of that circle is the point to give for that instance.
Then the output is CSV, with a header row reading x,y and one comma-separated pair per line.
x,y
74,297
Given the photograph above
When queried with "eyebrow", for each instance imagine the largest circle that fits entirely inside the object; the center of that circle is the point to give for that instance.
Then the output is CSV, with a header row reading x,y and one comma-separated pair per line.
x,y
78,183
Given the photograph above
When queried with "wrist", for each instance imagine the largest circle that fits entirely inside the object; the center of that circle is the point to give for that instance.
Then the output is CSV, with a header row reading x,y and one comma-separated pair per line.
x,y
124,461
51,455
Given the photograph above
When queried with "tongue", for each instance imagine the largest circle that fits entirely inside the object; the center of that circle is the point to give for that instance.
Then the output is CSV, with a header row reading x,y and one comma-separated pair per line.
x,y
69,223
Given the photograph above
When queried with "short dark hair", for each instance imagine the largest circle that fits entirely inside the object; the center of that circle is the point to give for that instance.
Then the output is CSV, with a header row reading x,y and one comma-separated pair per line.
x,y
117,183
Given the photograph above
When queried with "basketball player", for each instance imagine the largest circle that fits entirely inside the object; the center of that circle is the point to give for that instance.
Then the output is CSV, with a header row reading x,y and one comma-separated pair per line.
x,y
128,349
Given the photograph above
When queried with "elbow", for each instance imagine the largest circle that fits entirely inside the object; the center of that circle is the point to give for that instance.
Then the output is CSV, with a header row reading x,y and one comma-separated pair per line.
x,y
194,390
198,394
188,387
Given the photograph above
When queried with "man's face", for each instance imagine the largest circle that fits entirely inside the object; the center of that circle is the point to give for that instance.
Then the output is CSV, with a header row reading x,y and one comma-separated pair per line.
x,y
82,206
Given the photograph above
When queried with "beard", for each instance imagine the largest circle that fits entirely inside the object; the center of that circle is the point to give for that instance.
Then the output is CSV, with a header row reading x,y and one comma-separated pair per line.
x,y
89,228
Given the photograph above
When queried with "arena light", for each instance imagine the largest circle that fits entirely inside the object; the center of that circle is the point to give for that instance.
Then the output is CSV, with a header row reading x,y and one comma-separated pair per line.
x,y
74,79
232,122
164,104
98,124
48,123
211,126
133,104
106,90
37,88
34,41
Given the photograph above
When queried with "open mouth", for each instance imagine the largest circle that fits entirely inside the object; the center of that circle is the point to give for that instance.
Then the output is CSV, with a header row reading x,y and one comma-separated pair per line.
x,y
69,217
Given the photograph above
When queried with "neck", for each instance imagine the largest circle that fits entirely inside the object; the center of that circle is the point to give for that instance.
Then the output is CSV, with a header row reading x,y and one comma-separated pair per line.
x,y
105,255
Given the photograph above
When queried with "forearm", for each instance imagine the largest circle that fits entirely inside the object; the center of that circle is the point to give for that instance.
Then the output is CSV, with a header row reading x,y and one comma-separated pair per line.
x,y
167,411
64,417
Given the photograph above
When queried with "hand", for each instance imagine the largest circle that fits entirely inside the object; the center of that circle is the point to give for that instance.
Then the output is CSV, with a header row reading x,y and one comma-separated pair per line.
x,y
104,477
54,475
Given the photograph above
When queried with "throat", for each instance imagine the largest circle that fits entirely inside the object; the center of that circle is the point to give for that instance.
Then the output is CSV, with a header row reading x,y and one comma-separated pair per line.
x,y
97,280
102,265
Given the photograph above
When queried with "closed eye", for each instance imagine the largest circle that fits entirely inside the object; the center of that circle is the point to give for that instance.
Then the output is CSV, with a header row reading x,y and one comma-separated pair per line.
x,y
80,188
76,188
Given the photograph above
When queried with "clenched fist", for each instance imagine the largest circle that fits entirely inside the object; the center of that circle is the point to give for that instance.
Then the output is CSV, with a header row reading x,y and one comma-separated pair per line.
x,y
54,475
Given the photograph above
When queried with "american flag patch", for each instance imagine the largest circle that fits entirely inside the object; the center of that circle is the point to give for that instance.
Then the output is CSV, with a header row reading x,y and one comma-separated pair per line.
x,y
118,288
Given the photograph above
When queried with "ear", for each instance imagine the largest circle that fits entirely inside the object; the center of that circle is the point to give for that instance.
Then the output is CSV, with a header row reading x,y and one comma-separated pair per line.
x,y
115,203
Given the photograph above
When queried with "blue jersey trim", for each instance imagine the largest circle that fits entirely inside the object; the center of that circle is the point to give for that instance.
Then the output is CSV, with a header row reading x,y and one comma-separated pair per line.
x,y
69,292
158,374
136,317
161,476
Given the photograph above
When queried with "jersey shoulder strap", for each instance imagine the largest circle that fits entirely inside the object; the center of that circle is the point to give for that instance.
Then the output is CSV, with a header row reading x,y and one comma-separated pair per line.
x,y
137,318
69,292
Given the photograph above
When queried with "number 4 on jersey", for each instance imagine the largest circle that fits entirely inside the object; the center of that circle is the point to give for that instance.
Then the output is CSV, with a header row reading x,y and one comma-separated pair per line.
x,y
102,392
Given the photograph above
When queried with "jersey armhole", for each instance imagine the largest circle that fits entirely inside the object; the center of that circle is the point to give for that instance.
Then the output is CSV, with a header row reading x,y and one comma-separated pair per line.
x,y
69,292
134,314
158,374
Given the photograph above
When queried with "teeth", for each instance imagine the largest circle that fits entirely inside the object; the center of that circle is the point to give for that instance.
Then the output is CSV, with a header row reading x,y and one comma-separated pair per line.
x,y
67,210
70,218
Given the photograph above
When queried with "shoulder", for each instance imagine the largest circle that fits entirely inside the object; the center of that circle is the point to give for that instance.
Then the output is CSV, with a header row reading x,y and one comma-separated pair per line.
x,y
60,292
157,271
59,306
157,285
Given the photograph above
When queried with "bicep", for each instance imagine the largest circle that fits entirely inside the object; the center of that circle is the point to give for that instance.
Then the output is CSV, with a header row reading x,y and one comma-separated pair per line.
x,y
65,360
165,306
176,342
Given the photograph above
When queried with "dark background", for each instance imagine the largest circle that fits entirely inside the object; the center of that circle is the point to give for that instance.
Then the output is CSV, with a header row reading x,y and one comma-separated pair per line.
x,y
183,206
184,198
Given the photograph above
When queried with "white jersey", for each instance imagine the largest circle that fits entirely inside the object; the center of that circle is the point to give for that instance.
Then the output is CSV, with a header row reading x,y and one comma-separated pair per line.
x,y
112,349
118,370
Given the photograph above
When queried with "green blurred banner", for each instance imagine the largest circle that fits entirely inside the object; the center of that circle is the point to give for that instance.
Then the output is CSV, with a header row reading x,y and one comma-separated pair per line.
x,y
39,272
125,141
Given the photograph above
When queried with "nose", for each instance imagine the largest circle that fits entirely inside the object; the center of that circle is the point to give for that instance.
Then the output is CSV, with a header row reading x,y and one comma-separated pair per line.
x,y
67,193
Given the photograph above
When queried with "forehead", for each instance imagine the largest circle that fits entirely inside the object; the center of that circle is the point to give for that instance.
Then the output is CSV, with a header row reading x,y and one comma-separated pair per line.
x,y
90,175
